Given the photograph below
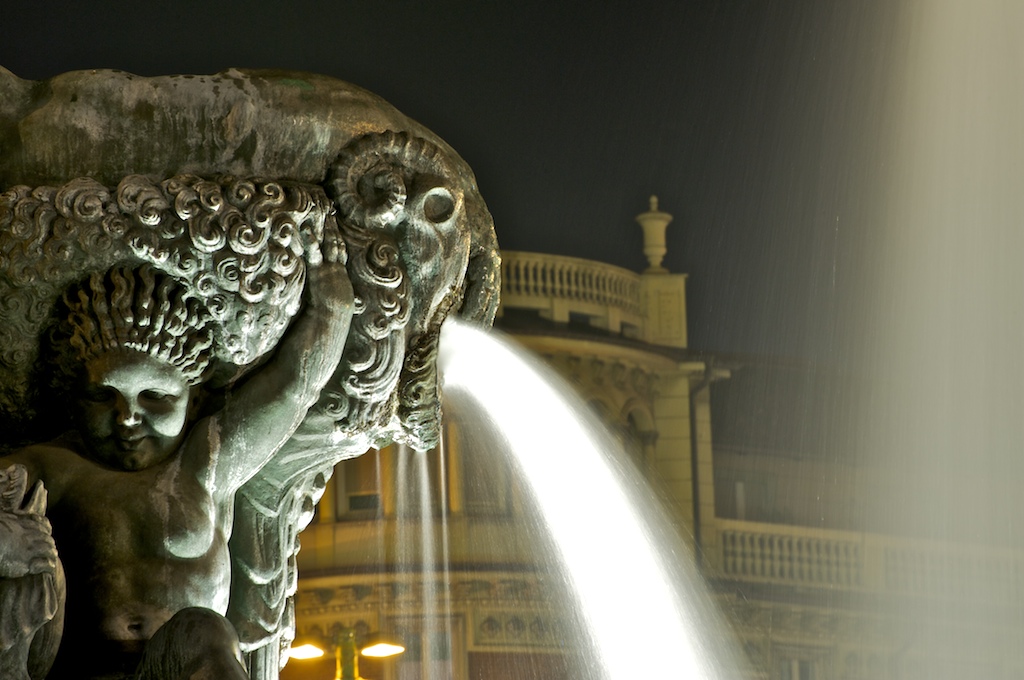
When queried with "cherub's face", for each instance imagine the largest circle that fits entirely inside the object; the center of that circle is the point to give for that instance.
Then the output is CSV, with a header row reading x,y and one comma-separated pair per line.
x,y
133,409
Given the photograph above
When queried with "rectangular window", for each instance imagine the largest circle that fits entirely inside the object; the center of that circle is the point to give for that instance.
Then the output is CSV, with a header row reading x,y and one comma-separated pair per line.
x,y
485,485
417,482
484,472
357,487
429,653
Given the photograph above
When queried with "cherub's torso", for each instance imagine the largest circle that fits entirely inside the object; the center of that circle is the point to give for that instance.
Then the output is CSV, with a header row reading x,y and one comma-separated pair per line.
x,y
136,546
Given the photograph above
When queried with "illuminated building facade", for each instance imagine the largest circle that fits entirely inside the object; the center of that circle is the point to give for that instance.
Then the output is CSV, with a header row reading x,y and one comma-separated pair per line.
x,y
445,551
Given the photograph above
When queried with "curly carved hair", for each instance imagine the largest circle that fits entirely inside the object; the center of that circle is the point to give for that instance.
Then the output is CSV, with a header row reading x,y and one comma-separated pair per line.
x,y
134,308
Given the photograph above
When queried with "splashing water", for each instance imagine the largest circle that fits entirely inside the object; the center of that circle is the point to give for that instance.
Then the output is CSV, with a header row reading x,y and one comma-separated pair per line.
x,y
646,615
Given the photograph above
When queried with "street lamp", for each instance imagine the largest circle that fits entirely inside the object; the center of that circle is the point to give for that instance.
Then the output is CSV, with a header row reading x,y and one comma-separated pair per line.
x,y
346,651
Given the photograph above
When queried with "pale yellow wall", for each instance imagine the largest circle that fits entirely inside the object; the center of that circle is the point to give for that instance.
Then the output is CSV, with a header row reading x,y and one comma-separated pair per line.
x,y
664,298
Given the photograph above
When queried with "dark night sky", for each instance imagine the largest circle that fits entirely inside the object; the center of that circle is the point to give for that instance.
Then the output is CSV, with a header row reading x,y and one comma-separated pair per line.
x,y
748,119
843,174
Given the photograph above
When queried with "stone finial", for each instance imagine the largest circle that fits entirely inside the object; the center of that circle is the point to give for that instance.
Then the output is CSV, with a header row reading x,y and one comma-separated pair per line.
x,y
654,223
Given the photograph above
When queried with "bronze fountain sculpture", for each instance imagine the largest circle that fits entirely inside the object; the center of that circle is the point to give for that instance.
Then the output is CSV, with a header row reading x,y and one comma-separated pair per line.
x,y
212,289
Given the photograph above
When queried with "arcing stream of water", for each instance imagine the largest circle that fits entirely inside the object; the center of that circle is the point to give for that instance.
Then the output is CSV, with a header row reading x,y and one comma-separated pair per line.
x,y
635,587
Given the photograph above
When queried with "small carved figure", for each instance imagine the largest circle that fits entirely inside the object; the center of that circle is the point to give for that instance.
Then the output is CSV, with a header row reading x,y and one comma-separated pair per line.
x,y
141,489
31,579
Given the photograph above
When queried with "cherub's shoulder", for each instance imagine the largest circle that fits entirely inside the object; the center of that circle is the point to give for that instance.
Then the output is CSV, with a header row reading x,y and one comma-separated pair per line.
x,y
58,448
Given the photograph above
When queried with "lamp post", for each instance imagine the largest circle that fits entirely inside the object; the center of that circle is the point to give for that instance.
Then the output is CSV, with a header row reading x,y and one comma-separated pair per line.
x,y
346,656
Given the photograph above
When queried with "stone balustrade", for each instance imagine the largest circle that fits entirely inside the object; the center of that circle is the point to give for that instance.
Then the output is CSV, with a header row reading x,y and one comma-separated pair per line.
x,y
791,557
609,297
945,570
819,558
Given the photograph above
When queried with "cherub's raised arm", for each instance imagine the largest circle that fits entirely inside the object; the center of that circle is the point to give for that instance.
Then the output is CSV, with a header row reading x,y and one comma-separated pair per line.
x,y
261,414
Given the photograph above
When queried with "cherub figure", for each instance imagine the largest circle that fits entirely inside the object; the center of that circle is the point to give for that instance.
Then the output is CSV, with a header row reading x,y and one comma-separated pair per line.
x,y
140,490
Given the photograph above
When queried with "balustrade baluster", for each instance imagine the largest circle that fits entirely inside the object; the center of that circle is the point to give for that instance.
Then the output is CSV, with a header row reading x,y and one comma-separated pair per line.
x,y
829,548
835,562
741,543
737,553
745,565
842,563
851,565
828,572
825,549
758,555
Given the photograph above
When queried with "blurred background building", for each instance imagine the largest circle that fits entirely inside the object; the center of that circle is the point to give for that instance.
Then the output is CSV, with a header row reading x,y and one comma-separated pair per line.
x,y
444,550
